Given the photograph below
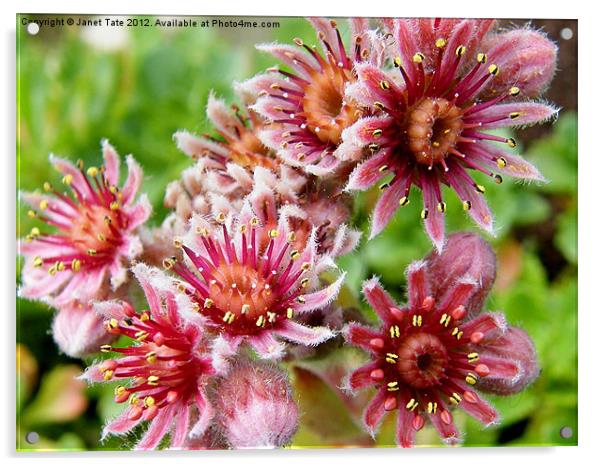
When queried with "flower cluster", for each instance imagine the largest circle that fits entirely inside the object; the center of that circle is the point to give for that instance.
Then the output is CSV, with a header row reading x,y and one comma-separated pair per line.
x,y
243,272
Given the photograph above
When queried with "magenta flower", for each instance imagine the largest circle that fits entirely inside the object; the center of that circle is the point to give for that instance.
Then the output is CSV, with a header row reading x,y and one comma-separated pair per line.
x,y
96,232
308,108
454,83
250,280
165,367
432,354
255,406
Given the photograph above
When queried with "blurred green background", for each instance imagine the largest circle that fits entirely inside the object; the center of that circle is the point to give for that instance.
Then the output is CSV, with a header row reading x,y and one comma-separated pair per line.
x,y
137,86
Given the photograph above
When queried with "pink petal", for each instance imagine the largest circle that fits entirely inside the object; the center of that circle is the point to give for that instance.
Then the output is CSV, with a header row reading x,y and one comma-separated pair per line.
x,y
139,213
388,203
133,181
292,56
111,159
360,378
406,433
360,335
222,350
182,424
375,411
67,168
461,36
479,409
319,299
120,425
434,221
308,336
372,78
221,116
405,40
378,298
323,26
328,166
195,146
266,346
491,325
488,154
205,416
529,113
447,430
158,428
418,285
368,173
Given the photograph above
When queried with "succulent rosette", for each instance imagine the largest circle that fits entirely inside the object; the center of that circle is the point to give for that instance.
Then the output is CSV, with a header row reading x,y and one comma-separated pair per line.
x,y
95,232
438,351
164,368
250,280
455,80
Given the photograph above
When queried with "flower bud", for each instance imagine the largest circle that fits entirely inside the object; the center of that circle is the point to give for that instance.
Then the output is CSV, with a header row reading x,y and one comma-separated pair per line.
x,y
255,406
79,331
465,255
516,349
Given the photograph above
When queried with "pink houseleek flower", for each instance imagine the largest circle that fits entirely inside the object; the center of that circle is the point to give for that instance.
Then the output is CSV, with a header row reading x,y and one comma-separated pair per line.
x,y
255,406
307,107
429,356
432,116
164,366
250,281
95,232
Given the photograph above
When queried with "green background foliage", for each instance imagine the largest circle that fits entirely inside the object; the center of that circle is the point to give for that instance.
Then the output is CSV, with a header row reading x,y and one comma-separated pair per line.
x,y
72,93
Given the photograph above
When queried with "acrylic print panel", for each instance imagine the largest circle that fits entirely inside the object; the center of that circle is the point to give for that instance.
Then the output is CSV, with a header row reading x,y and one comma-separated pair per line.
x,y
358,233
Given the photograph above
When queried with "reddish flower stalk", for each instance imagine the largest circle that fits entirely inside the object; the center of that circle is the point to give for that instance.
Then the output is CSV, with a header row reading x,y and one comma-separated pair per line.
x,y
250,281
165,367
431,121
96,232
429,356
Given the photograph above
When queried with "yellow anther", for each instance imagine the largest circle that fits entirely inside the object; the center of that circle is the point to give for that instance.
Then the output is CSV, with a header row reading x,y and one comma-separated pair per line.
x,y
432,407
245,308
424,213
119,390
418,57
498,179
106,348
168,263
460,50
300,299
67,179
273,233
134,398
445,320
271,316
482,58
107,375
511,142
177,242
260,321
152,380
373,147
35,232
304,282
392,386
459,335
254,221
379,105
473,357
377,133
417,320
480,188
31,214
384,186
208,303
220,218
404,201
229,317
514,115
514,91
38,262
290,313
141,335
441,207
471,378
385,85
455,398
47,186
411,405
394,331
151,357
493,69
52,270
440,43
306,266
60,266
149,401
101,237
113,189
43,204
92,171
391,358
455,331
383,168
467,205
113,323
242,228
291,236
436,143
501,162
145,316
397,61
114,205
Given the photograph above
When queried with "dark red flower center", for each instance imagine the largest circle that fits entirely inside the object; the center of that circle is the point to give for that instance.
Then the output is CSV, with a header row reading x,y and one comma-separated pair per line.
x,y
422,360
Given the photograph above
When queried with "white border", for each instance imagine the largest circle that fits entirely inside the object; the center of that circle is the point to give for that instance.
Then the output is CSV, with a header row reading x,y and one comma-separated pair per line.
x,y
590,74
